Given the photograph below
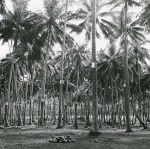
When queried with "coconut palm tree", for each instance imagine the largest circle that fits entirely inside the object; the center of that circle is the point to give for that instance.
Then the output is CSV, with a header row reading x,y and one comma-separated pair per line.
x,y
91,17
110,72
127,87
125,32
80,60
139,56
94,71
62,68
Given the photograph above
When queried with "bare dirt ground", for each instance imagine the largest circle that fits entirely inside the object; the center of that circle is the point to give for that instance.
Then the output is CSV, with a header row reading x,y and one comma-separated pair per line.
x,y
32,137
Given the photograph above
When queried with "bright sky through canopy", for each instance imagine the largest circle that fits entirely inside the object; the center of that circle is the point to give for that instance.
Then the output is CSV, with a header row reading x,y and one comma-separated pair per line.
x,y
37,6
34,5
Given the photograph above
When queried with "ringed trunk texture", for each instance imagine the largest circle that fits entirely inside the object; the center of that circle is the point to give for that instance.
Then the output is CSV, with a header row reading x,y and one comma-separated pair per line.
x,y
94,71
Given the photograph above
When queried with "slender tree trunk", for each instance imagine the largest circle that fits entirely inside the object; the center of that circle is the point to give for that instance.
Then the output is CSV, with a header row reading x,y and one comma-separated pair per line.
x,y
65,115
127,86
18,100
6,115
104,103
94,72
24,114
8,97
33,111
1,118
43,89
118,105
87,112
12,114
39,111
19,113
54,108
76,101
30,110
42,113
23,103
112,106
59,125
26,90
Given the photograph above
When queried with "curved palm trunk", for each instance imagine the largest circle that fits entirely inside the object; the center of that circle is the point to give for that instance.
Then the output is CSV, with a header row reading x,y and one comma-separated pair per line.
x,y
94,73
59,125
127,86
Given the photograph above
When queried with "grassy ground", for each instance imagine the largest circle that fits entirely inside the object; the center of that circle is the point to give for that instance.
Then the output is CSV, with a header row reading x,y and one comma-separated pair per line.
x,y
37,138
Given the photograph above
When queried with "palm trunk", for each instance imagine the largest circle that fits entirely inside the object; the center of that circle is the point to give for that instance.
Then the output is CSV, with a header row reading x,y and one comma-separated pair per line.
x,y
65,113
94,72
112,106
31,96
18,100
67,99
76,101
30,111
87,112
43,89
6,116
1,118
104,103
59,125
39,111
42,114
54,107
8,97
118,104
26,92
127,87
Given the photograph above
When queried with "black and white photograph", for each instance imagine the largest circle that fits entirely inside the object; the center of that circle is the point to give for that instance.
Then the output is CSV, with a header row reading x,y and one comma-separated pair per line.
x,y
74,74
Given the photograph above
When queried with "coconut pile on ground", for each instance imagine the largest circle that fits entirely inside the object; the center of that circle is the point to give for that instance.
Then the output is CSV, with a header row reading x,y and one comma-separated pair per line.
x,y
61,139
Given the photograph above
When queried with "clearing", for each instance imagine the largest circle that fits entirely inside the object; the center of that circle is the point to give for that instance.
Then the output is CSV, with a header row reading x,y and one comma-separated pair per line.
x,y
32,137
